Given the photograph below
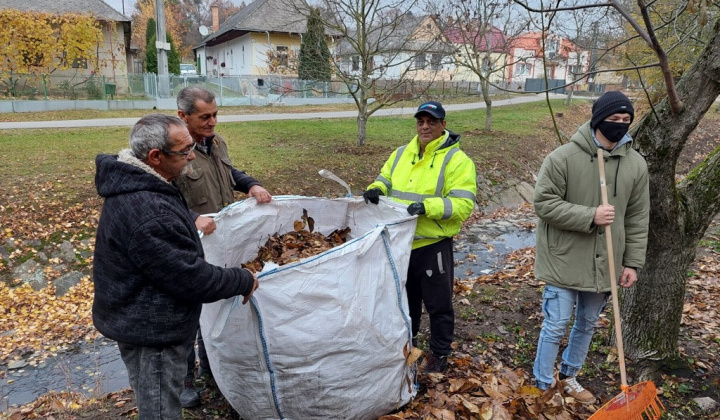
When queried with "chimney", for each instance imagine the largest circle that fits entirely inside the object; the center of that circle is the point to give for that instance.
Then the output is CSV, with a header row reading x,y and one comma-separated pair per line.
x,y
215,17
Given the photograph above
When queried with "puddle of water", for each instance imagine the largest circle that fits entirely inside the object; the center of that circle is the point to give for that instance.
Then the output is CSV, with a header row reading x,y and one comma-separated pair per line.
x,y
95,369
488,256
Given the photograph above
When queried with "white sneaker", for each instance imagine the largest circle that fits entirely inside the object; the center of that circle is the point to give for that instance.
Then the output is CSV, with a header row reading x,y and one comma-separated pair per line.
x,y
571,387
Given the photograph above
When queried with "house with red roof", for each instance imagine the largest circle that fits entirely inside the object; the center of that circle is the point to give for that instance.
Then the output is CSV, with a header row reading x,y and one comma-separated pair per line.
x,y
563,58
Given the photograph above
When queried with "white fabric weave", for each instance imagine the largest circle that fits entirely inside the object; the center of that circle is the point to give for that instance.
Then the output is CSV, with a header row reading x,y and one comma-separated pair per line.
x,y
322,338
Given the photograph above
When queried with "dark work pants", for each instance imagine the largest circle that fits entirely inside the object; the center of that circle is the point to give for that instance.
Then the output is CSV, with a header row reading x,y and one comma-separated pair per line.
x,y
430,280
156,375
201,354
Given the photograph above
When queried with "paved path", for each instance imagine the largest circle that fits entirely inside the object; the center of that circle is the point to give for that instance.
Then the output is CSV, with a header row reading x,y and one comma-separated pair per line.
x,y
128,122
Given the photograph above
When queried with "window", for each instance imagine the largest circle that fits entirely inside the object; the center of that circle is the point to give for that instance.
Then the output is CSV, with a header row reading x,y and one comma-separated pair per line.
x,y
282,55
420,62
436,62
574,69
523,69
355,63
487,65
551,48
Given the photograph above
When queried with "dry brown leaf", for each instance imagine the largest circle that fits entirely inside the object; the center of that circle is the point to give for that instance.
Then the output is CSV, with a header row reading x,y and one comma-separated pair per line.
x,y
415,354
442,414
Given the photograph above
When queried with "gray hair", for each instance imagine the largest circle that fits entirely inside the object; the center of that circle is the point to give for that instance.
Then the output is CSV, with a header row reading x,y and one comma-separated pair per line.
x,y
188,96
152,132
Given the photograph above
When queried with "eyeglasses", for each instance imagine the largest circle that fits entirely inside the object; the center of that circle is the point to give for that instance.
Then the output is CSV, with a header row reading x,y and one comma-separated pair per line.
x,y
184,154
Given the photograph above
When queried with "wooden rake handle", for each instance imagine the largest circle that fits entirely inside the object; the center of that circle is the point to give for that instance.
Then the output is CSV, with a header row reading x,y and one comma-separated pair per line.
x,y
613,279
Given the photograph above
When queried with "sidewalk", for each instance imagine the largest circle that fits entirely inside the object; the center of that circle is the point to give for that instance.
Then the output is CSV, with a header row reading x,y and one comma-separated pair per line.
x,y
128,122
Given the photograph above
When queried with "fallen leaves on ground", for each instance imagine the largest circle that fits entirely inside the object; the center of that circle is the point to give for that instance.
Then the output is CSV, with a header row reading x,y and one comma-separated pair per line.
x,y
483,388
40,324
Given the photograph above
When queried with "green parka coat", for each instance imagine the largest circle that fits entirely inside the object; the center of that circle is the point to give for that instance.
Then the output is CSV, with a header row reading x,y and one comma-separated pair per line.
x,y
571,251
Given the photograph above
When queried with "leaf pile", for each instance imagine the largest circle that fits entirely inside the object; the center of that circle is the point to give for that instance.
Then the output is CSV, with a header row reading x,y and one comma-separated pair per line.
x,y
42,324
296,245
483,388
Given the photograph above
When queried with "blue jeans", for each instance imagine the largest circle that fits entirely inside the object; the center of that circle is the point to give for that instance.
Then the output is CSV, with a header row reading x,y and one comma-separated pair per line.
x,y
156,377
558,304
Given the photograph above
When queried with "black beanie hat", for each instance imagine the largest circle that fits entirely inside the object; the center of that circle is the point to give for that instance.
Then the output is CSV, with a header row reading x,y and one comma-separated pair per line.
x,y
611,102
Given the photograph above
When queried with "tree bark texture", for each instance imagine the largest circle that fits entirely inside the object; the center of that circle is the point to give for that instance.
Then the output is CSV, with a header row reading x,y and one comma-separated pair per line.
x,y
362,127
679,212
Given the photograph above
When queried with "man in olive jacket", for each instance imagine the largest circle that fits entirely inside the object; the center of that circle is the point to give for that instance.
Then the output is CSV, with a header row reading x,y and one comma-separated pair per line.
x,y
149,270
208,186
571,249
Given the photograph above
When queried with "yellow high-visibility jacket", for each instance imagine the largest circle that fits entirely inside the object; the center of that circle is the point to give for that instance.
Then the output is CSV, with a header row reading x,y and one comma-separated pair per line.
x,y
443,179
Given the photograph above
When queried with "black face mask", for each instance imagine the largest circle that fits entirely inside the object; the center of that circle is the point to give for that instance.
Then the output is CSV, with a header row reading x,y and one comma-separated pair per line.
x,y
613,131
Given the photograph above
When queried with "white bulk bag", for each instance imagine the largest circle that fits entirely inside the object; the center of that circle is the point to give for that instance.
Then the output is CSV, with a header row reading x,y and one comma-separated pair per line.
x,y
324,337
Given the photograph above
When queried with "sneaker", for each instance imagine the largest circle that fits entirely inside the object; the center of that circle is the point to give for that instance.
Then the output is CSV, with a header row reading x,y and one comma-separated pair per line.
x,y
572,388
436,364
189,397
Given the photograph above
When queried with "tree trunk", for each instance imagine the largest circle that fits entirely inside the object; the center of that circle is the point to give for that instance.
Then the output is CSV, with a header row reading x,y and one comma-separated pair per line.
x,y
488,116
362,127
679,215
488,103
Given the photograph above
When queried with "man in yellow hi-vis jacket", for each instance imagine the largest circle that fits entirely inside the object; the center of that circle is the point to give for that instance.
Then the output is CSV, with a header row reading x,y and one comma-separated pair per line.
x,y
437,181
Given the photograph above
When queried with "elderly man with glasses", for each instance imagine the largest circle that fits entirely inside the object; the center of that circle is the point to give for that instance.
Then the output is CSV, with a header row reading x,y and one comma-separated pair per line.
x,y
150,274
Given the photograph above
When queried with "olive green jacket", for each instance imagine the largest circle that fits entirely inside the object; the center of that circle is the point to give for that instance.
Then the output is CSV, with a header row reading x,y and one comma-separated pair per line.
x,y
209,184
571,251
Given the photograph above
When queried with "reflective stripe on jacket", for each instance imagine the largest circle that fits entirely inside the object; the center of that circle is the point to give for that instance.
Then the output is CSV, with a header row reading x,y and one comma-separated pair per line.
x,y
443,179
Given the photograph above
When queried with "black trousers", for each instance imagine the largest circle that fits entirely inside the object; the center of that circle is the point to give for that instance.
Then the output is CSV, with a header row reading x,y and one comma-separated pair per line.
x,y
201,354
430,280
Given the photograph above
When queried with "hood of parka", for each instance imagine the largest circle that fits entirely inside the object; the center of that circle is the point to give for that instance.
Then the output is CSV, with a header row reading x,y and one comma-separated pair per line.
x,y
124,173
583,138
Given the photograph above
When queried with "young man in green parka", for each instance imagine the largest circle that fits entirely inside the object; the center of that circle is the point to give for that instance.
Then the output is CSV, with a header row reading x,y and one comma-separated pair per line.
x,y
572,256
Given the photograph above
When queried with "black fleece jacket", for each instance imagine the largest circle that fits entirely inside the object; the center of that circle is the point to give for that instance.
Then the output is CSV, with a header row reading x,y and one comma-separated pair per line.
x,y
149,270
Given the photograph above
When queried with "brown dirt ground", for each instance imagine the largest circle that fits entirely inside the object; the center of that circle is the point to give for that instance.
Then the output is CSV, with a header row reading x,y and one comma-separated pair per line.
x,y
501,319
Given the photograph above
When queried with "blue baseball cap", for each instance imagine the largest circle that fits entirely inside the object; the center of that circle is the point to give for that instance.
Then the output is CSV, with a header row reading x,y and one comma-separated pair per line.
x,y
433,108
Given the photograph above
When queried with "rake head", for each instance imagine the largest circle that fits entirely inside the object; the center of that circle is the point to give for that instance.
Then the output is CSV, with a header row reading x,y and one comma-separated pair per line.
x,y
638,402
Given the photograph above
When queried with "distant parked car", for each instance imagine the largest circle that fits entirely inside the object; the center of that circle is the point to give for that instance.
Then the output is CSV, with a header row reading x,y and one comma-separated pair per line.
x,y
188,70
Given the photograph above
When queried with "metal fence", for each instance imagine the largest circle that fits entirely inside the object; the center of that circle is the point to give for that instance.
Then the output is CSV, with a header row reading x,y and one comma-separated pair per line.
x,y
64,86
238,90
242,90
229,90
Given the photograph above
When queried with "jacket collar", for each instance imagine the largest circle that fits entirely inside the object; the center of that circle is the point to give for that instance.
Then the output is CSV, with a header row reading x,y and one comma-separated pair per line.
x,y
127,156
585,138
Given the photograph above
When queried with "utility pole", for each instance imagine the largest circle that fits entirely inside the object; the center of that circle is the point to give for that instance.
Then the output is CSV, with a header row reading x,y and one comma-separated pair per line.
x,y
593,58
162,47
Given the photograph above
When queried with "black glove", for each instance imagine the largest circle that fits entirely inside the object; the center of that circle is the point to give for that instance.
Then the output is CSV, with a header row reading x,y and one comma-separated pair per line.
x,y
416,208
372,195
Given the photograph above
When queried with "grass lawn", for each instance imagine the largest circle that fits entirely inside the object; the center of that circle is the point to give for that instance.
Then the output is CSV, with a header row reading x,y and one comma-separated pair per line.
x,y
285,155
